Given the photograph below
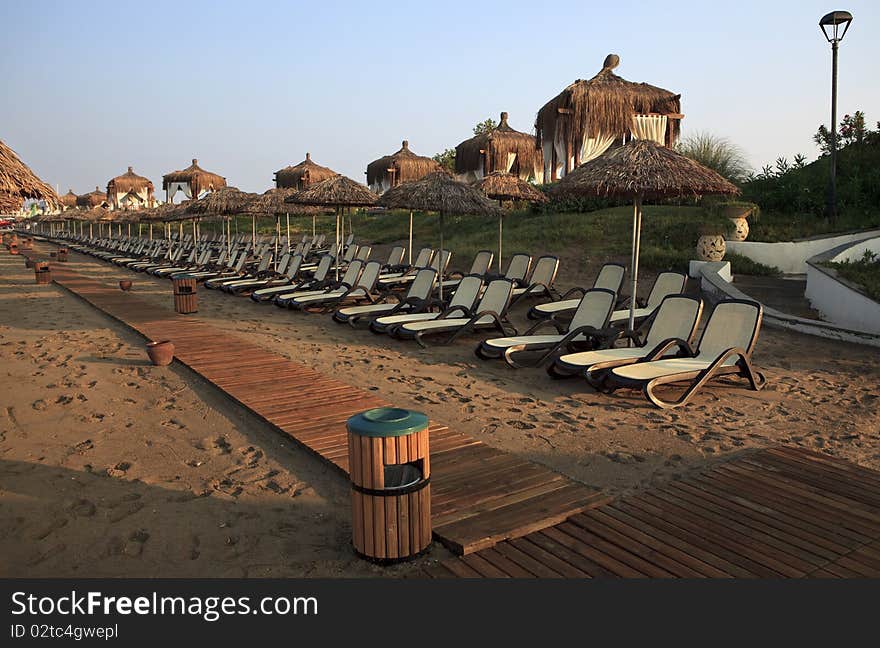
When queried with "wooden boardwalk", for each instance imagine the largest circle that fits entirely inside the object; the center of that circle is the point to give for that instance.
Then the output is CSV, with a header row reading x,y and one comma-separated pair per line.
x,y
779,512
480,495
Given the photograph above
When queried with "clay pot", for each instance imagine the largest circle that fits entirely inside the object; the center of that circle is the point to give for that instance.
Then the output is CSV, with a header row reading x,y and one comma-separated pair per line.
x,y
711,247
125,284
161,353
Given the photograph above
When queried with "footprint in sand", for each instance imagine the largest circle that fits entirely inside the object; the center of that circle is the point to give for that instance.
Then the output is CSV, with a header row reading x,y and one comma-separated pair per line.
x,y
45,555
39,405
135,544
174,423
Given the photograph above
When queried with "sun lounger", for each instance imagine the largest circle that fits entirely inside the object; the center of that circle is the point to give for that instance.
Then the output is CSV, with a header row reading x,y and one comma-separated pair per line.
x,y
318,280
461,303
361,291
417,299
517,269
490,313
246,286
480,266
587,329
541,281
348,280
610,277
725,349
676,318
439,262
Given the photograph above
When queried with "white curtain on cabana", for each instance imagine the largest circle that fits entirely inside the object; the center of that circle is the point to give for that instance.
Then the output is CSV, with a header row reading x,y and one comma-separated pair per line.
x,y
174,187
650,127
591,148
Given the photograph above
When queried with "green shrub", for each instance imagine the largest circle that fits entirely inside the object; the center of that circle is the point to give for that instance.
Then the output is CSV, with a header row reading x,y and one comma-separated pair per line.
x,y
865,272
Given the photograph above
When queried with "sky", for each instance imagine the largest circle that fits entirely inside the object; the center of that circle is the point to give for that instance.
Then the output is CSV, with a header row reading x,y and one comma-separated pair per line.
x,y
248,88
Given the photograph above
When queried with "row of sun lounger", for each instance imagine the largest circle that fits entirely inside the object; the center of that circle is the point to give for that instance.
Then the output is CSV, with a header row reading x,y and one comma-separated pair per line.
x,y
579,333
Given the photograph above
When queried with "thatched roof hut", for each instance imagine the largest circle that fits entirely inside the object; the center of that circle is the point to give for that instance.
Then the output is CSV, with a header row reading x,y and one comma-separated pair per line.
x,y
96,198
68,200
585,119
397,168
192,181
302,175
500,149
18,183
130,191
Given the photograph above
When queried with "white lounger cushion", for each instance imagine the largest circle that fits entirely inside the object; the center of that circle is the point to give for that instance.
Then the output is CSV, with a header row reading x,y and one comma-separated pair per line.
x,y
589,358
505,342
666,367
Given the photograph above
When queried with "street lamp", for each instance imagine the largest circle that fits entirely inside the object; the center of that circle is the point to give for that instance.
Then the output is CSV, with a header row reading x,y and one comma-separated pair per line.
x,y
834,26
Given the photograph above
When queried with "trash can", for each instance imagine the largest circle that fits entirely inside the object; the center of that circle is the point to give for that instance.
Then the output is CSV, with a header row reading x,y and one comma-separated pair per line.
x,y
42,272
62,254
186,300
13,248
390,473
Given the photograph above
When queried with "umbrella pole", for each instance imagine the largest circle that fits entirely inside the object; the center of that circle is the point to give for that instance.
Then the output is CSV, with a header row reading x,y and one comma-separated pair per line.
x,y
313,227
254,230
636,241
277,236
337,243
288,230
440,262
410,236
151,231
500,233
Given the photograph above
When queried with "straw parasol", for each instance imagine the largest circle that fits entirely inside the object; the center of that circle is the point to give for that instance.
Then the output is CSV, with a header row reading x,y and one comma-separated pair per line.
x,y
499,149
506,186
601,107
397,168
641,170
338,192
439,192
129,183
18,182
195,177
274,203
223,202
302,175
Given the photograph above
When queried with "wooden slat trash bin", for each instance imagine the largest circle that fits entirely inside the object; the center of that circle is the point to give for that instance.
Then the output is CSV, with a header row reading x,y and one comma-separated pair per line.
x,y
62,254
390,475
42,272
186,299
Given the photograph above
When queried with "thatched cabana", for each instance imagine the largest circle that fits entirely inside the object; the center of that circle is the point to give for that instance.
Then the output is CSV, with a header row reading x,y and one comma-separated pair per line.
x,y
130,191
18,183
193,181
641,170
400,167
302,175
96,198
500,149
68,200
585,119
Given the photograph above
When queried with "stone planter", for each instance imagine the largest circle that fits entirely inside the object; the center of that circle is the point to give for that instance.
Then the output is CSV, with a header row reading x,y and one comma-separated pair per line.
x,y
711,247
738,216
161,353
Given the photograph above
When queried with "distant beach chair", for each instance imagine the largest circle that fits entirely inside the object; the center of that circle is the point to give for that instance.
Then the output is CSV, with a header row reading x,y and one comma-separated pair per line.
x,y
610,277
725,349
479,266
541,281
588,328
461,303
416,299
490,313
676,318
293,283
361,291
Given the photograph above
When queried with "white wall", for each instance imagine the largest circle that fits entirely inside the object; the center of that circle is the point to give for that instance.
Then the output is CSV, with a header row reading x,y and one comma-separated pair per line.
x,y
791,256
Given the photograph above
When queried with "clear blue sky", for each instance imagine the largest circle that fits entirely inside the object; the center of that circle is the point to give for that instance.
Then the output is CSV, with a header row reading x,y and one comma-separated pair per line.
x,y
249,87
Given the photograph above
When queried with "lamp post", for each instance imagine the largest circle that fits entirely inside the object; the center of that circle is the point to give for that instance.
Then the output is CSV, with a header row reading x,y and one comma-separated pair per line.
x,y
834,26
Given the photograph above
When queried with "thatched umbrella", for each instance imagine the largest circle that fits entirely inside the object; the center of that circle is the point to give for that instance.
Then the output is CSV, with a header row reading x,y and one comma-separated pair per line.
x,y
274,202
195,178
506,186
397,168
164,213
302,175
589,115
338,192
439,192
223,203
129,182
499,149
18,183
642,170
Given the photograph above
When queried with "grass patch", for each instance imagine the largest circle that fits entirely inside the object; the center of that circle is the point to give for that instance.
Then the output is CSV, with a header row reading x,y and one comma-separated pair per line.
x,y
669,233
865,272
774,227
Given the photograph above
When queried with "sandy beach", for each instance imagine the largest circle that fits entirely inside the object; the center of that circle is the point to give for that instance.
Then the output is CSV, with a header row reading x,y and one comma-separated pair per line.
x,y
113,467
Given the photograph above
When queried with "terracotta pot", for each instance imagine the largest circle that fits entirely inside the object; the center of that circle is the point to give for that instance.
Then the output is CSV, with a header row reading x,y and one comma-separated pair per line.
x,y
711,247
161,353
125,284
